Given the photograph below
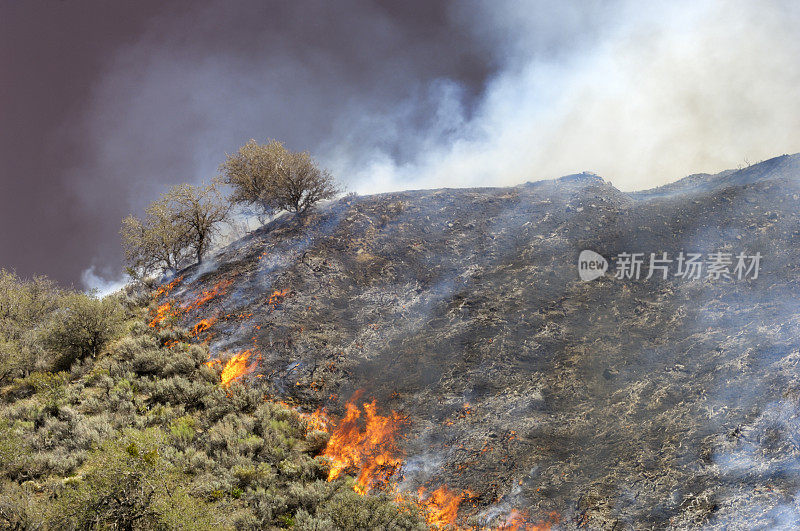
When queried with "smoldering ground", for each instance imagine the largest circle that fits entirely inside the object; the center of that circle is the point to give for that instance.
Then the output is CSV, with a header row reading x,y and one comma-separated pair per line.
x,y
640,403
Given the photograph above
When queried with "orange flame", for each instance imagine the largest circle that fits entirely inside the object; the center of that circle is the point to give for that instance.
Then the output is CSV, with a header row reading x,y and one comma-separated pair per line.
x,y
237,367
372,451
441,506
318,420
168,310
277,297
203,325
167,288
163,312
220,288
520,521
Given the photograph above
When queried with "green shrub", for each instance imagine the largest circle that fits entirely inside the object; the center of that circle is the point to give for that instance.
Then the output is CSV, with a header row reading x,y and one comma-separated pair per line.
x,y
349,510
50,389
183,431
81,328
127,485
14,452
140,435
25,304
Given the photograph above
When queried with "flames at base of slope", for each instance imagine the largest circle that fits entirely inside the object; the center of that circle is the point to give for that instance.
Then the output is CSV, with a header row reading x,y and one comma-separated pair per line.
x,y
203,325
234,368
363,443
440,506
521,521
318,420
366,443
372,450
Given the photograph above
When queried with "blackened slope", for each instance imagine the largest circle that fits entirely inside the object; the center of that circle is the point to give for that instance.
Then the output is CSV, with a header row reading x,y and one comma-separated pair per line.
x,y
610,402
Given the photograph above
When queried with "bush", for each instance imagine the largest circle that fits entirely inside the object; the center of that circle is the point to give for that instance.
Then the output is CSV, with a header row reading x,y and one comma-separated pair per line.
x,y
272,178
81,328
25,305
145,437
14,452
127,485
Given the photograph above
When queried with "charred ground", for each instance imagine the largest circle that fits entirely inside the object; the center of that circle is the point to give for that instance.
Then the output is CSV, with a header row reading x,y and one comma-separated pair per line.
x,y
615,403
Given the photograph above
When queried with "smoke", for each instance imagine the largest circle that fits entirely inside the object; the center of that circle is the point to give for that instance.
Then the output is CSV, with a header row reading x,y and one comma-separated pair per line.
x,y
101,284
642,95
439,94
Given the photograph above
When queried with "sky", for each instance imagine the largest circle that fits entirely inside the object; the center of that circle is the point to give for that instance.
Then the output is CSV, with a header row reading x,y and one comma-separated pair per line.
x,y
104,105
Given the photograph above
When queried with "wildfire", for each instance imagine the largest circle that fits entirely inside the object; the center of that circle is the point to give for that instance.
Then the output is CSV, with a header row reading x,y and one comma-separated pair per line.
x,y
219,289
164,311
441,506
237,367
318,420
520,521
372,450
168,309
277,297
167,288
366,442
363,442
203,325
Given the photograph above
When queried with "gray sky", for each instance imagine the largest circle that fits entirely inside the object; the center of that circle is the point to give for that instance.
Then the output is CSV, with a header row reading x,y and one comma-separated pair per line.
x,y
104,105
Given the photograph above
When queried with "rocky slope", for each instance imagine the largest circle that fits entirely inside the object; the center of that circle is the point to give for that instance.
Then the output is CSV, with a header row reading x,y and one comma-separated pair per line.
x,y
615,403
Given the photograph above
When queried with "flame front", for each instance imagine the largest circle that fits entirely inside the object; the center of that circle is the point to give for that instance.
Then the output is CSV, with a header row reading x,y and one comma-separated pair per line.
x,y
167,288
203,325
372,450
237,367
168,310
163,312
220,288
362,442
441,507
318,420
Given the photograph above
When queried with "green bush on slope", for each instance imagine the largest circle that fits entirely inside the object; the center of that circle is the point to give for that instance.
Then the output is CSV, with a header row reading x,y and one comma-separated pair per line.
x,y
132,434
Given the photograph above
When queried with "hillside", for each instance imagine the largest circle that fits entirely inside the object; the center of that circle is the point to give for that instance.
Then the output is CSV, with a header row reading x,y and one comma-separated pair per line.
x,y
521,388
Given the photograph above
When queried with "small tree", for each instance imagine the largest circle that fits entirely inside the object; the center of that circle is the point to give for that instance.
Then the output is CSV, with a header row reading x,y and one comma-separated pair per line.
x,y
272,178
199,210
155,243
24,304
179,225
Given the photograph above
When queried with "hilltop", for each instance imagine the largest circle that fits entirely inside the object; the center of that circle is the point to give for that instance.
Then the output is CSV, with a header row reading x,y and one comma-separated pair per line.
x,y
605,403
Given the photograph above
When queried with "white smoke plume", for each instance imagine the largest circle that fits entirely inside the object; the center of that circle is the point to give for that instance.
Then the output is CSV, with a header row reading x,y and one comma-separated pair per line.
x,y
640,93
499,93
100,284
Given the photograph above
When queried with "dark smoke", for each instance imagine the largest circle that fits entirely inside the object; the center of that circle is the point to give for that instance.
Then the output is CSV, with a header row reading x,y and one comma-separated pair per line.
x,y
108,105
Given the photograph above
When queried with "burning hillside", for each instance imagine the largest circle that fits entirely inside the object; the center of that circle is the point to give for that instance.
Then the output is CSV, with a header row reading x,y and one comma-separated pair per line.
x,y
501,389
371,451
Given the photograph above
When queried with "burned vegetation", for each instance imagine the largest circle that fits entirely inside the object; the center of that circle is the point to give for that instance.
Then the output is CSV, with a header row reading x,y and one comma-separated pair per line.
x,y
144,432
517,395
431,359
